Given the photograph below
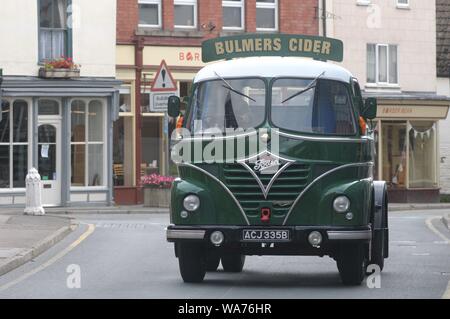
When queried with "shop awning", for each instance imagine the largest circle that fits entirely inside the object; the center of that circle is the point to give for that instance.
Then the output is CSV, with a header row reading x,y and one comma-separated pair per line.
x,y
411,105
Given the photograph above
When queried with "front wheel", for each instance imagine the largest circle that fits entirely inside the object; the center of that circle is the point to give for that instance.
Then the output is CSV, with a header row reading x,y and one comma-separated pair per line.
x,y
233,262
191,259
212,261
351,263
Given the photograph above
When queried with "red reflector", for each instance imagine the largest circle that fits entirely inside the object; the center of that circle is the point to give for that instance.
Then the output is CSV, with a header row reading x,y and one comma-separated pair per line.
x,y
265,215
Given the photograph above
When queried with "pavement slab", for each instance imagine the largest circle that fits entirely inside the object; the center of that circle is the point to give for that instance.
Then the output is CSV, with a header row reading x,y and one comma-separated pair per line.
x,y
25,237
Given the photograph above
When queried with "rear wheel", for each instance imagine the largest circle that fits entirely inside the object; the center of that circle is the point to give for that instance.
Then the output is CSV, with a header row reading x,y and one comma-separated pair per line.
x,y
191,259
351,263
233,262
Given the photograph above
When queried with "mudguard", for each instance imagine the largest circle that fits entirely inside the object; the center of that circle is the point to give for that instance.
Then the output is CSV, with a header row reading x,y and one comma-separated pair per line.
x,y
380,218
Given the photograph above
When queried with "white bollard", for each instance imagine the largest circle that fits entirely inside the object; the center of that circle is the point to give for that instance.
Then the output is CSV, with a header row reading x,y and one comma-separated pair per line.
x,y
33,196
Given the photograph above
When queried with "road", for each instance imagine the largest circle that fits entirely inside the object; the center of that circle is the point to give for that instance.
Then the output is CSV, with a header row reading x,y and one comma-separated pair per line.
x,y
126,256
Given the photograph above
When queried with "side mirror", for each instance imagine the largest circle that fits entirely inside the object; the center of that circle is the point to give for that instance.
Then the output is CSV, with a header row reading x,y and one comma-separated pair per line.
x,y
370,108
173,106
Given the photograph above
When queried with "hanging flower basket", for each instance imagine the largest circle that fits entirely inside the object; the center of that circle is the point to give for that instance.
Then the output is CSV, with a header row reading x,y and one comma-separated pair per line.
x,y
157,190
62,68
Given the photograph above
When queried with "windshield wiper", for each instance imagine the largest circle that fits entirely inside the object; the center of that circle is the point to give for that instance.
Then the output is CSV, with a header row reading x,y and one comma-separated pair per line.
x,y
309,87
229,87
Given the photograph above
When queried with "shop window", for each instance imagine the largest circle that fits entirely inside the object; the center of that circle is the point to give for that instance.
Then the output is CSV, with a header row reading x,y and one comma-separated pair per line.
x,y
233,14
13,144
150,13
266,15
152,145
382,66
125,100
123,150
394,149
87,143
185,13
422,154
53,31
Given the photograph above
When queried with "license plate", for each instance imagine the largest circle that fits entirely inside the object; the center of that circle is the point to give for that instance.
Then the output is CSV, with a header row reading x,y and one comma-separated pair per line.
x,y
259,235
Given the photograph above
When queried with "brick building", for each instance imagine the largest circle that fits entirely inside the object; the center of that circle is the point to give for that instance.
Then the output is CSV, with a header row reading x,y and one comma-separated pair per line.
x,y
149,31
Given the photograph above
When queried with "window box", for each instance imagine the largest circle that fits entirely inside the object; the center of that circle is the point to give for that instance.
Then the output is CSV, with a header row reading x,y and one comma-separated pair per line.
x,y
59,73
156,197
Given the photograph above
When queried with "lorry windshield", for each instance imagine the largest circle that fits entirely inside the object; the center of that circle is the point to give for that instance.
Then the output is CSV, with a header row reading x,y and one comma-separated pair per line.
x,y
230,104
324,108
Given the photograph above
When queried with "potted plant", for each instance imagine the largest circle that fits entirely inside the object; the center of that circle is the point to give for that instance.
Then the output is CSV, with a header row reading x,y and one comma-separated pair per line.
x,y
61,68
157,190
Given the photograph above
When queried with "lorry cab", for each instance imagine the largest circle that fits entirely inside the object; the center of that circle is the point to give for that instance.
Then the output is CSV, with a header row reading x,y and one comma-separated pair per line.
x,y
276,157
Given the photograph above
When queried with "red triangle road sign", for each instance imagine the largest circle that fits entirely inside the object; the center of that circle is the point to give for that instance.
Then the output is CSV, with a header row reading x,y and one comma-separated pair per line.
x,y
163,81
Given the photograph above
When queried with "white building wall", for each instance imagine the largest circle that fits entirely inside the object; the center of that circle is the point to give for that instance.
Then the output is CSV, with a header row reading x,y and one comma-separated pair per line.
x,y
413,30
94,37
19,37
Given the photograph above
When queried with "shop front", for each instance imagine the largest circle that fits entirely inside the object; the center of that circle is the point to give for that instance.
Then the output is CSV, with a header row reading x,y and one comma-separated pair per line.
x,y
142,135
63,128
407,136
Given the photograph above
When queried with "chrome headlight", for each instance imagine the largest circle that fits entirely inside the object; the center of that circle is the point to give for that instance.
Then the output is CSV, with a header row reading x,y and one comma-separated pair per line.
x,y
191,203
341,204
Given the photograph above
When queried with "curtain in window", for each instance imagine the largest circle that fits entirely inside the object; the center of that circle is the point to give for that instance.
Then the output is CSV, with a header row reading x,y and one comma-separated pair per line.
x,y
371,63
52,44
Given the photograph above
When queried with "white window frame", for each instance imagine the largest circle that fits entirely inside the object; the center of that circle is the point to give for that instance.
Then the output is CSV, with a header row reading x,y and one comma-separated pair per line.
x,y
401,5
377,65
11,144
264,5
86,143
235,4
157,2
192,3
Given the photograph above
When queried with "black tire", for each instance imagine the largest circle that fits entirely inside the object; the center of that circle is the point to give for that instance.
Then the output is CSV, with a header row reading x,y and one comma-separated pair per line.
x,y
377,253
351,263
191,259
233,262
212,261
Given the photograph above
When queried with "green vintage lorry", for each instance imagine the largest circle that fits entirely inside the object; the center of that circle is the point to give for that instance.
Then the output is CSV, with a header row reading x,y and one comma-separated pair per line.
x,y
275,158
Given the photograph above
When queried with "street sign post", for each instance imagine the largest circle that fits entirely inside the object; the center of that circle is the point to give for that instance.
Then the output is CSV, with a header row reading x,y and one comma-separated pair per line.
x,y
163,87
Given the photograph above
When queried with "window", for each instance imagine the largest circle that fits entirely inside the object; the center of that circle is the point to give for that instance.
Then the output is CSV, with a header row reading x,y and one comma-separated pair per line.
x,y
382,66
150,13
402,3
87,143
185,13
53,31
422,154
125,100
233,14
323,109
13,144
267,15
228,109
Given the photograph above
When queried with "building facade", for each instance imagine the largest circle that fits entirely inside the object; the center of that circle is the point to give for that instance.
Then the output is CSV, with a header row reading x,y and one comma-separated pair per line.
x,y
61,126
393,54
149,31
443,73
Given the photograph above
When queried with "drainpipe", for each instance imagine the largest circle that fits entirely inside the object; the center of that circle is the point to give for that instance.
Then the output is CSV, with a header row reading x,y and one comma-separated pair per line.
x,y
324,17
139,50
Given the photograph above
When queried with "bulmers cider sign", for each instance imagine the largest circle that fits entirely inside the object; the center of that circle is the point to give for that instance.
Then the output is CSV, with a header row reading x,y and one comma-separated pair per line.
x,y
249,45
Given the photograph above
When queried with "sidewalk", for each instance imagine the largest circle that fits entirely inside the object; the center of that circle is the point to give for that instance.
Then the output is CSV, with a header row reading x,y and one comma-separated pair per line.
x,y
23,238
132,209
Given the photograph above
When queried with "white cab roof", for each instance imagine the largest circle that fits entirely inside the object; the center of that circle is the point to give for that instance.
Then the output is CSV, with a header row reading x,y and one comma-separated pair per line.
x,y
273,67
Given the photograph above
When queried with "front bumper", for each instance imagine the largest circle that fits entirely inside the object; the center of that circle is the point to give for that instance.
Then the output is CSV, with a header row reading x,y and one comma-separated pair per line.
x,y
297,245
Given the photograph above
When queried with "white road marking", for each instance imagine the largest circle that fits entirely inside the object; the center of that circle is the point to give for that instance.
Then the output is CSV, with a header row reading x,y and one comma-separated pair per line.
x,y
52,260
421,254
